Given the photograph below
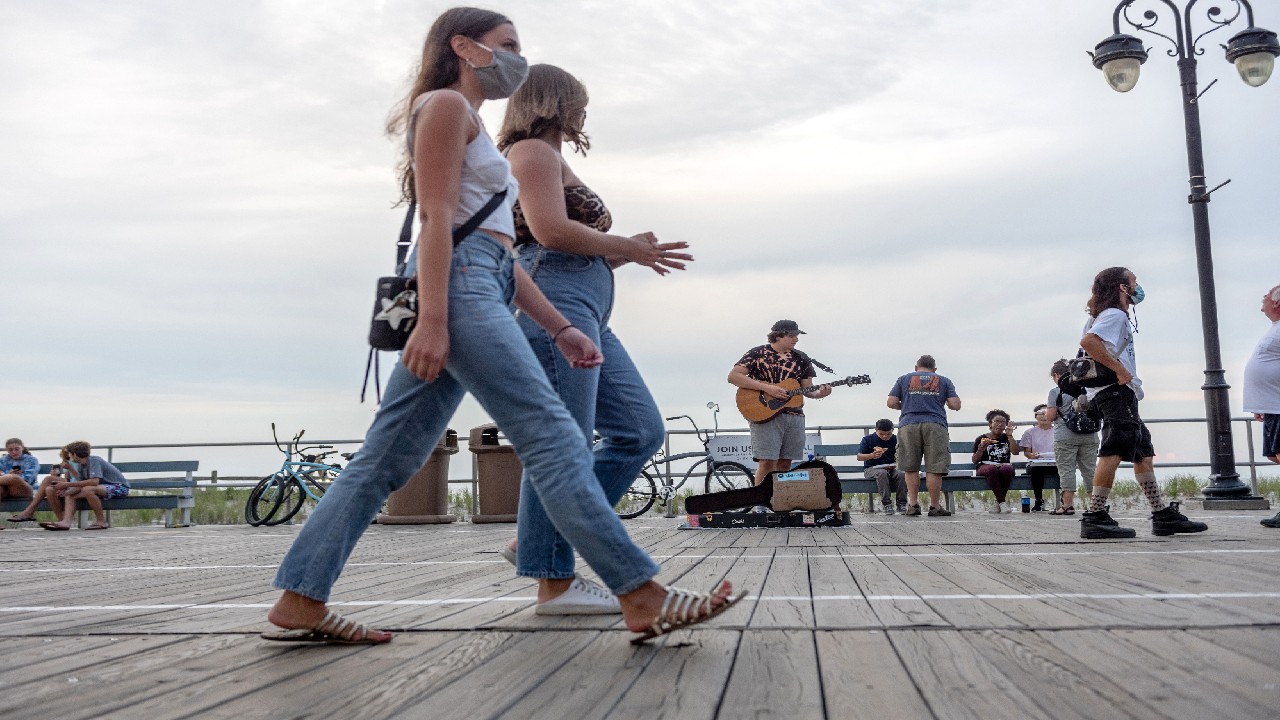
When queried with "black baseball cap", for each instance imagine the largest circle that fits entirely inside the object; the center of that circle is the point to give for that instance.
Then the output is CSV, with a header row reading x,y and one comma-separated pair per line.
x,y
787,327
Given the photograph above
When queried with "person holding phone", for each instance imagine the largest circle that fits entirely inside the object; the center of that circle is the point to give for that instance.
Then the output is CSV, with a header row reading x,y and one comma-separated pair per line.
x,y
19,470
47,491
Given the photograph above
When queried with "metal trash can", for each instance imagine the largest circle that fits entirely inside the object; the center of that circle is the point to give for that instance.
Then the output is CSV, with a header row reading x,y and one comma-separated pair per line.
x,y
497,477
425,498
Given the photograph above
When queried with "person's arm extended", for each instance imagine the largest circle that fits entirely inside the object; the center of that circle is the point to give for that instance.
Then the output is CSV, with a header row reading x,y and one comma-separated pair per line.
x,y
538,169
443,129
572,342
1097,350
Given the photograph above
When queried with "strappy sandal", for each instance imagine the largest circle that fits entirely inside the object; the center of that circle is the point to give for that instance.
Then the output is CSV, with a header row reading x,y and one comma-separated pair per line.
x,y
333,630
1062,510
682,608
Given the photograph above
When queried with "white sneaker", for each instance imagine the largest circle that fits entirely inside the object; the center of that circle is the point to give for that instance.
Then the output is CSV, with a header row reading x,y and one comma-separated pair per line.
x,y
994,509
582,598
761,509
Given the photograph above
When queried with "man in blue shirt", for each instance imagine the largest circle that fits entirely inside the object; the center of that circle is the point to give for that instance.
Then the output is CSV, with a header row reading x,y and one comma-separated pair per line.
x,y
878,453
924,397
98,479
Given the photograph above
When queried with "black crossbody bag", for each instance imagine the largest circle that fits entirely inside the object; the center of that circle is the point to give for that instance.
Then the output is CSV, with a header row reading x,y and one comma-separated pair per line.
x,y
395,304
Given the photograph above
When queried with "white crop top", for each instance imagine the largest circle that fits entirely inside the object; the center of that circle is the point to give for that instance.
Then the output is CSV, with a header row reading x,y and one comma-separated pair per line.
x,y
484,172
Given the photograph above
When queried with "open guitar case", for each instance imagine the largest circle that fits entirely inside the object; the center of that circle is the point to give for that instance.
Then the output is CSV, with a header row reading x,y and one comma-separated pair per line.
x,y
807,495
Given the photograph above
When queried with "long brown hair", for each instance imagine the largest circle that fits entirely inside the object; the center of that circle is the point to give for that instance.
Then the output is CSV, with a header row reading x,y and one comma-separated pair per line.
x,y
438,68
549,99
1106,290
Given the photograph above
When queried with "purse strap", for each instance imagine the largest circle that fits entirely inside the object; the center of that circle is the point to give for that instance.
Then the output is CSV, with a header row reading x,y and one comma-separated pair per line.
x,y
460,232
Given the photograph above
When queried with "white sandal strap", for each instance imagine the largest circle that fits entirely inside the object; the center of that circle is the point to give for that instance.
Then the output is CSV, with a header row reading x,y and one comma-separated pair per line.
x,y
340,627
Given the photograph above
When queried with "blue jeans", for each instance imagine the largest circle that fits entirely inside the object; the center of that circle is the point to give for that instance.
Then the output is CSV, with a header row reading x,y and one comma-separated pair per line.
x,y
490,358
611,399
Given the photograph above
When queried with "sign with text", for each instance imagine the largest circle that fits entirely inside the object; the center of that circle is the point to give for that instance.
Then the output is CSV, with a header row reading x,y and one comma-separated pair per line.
x,y
737,448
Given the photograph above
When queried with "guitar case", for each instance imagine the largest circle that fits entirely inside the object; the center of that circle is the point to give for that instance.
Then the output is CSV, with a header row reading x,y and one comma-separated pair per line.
x,y
807,495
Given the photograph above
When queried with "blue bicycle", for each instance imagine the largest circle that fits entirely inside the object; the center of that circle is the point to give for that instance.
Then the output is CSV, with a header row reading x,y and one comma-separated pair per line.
x,y
279,496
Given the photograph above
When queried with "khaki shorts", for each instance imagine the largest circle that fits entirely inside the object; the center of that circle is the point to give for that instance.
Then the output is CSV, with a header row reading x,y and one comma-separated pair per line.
x,y
927,441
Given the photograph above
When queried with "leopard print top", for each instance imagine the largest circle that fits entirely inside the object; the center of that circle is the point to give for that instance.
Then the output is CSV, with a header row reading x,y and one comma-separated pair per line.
x,y
581,204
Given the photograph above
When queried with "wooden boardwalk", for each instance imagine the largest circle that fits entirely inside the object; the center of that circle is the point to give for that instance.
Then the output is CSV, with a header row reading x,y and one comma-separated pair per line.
x,y
976,616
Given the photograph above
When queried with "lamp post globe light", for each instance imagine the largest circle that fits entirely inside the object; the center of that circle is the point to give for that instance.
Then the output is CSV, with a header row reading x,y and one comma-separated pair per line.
x,y
1253,52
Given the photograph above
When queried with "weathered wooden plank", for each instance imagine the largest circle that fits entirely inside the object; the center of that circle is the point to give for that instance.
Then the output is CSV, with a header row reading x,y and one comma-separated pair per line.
x,y
684,678
520,668
787,587
775,675
862,677
1161,686
954,679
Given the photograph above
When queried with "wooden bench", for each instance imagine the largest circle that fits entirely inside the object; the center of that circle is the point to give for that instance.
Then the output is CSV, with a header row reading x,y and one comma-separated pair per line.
x,y
960,475
151,494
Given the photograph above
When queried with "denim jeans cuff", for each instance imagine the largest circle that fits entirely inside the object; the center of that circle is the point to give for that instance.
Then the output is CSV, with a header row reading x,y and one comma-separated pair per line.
x,y
318,597
545,575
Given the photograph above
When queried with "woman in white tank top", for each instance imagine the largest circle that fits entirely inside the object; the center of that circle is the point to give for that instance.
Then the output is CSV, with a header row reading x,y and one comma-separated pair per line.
x,y
466,340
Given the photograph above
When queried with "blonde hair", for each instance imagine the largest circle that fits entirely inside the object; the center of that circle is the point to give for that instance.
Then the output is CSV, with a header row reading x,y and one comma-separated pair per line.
x,y
549,99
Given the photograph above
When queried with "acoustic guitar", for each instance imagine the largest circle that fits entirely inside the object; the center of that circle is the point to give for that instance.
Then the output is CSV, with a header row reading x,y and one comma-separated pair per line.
x,y
757,407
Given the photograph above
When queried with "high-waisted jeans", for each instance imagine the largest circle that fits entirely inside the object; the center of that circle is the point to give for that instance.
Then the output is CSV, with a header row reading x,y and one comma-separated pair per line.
x,y
611,400
490,358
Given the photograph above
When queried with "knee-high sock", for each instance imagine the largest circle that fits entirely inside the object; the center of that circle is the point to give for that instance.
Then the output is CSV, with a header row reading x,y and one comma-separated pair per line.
x,y
1151,489
1098,499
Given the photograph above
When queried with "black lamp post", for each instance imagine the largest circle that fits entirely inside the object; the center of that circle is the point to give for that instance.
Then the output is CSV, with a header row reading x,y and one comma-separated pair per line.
x,y
1253,52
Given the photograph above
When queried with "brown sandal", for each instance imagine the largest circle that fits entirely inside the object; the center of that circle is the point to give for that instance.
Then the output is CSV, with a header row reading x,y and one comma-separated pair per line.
x,y
682,608
1063,510
333,630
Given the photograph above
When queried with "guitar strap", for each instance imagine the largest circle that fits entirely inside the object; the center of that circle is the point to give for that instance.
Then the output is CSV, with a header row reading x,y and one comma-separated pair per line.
x,y
761,494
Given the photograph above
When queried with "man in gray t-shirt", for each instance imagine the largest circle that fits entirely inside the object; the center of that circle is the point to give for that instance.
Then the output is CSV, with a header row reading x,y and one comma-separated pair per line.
x,y
924,397
98,479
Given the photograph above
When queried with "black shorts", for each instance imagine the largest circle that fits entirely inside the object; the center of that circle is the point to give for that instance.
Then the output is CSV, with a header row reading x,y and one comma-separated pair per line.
x,y
1270,435
1123,432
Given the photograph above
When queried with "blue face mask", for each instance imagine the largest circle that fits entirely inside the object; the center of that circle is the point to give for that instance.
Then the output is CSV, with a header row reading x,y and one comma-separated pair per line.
x,y
1137,295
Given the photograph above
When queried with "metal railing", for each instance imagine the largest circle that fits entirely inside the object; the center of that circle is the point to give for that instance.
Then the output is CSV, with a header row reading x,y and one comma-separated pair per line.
x,y
1251,459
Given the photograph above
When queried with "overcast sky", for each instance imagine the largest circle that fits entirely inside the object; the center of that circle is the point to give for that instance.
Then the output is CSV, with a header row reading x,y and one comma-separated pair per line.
x,y
197,198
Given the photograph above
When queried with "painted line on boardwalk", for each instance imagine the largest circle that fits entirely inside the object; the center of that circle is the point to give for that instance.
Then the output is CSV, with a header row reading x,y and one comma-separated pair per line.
x,y
1069,551
985,597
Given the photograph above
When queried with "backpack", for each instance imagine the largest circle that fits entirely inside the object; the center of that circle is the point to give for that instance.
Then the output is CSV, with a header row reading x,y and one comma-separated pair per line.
x,y
1076,415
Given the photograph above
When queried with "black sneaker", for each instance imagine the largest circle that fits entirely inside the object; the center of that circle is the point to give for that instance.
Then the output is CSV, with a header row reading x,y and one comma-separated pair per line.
x,y
1038,507
912,511
938,512
1271,522
1100,526
902,507
1169,521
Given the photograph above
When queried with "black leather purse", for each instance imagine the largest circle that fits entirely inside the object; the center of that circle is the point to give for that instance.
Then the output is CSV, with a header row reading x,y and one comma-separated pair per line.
x,y
395,304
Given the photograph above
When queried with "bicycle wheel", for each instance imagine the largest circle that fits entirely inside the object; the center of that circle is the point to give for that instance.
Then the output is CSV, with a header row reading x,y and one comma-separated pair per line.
x,y
638,498
264,500
291,496
729,476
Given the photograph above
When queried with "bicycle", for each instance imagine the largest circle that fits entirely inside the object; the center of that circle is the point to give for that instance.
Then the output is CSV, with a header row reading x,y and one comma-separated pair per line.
x,y
279,496
719,475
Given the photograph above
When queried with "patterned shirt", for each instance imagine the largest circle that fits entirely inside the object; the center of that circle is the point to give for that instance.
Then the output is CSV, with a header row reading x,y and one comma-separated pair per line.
x,y
765,364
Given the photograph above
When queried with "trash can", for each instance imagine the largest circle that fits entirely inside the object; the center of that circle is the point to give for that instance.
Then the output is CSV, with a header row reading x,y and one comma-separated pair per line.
x,y
497,476
425,498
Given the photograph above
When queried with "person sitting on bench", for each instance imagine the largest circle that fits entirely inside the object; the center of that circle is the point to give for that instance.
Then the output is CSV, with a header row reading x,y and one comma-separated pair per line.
x,y
98,479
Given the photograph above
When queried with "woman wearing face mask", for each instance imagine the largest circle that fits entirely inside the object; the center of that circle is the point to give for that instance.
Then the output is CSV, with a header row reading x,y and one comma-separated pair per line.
x,y
466,340
563,241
